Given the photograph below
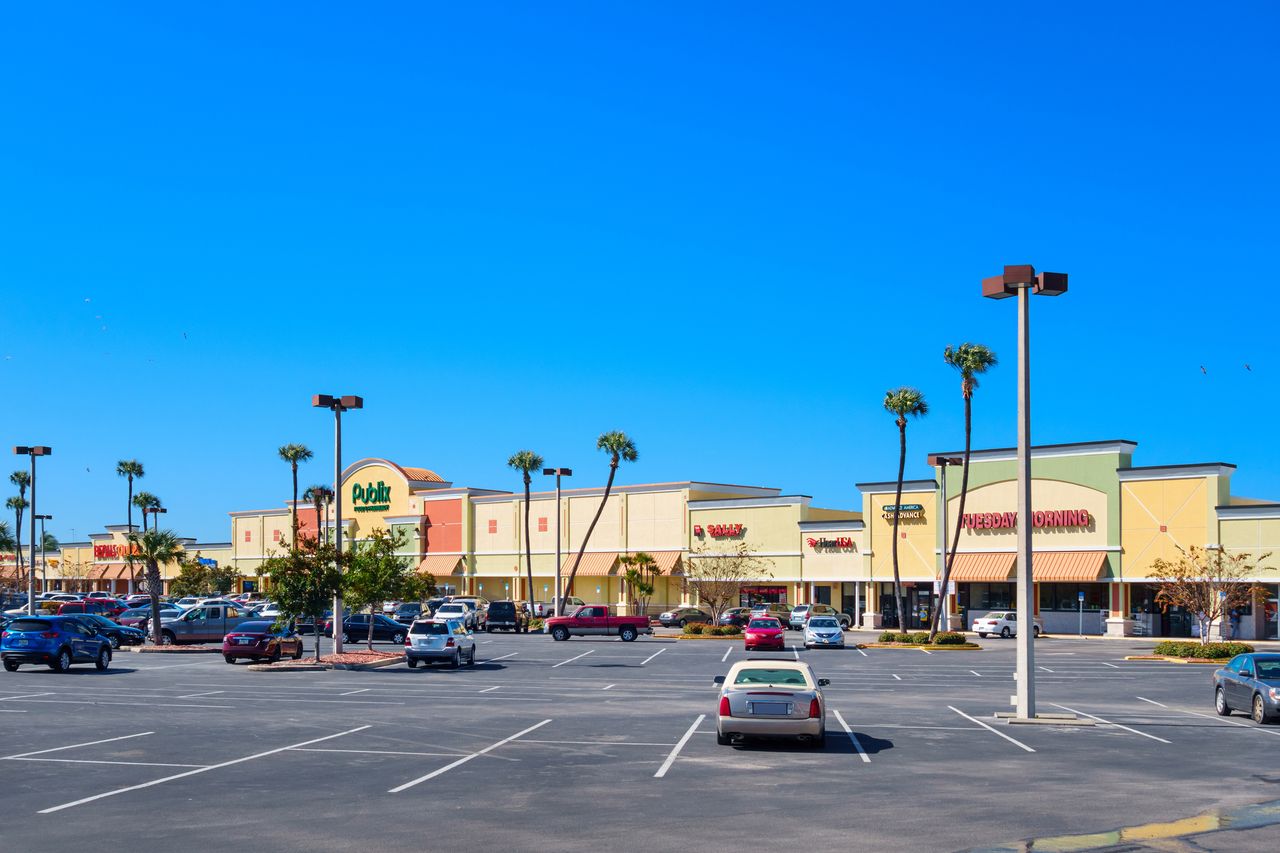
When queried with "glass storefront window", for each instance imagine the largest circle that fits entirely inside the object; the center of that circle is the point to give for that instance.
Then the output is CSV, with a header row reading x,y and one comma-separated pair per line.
x,y
1065,596
985,596
822,595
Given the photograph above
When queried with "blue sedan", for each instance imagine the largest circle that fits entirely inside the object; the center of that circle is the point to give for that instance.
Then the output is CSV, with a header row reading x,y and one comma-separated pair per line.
x,y
1249,683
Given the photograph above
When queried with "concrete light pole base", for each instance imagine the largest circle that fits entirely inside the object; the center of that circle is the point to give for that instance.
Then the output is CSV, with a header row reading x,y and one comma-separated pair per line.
x,y
1042,719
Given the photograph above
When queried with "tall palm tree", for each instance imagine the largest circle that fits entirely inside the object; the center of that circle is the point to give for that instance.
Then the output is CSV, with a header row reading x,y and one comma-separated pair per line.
x,y
970,360
21,479
619,448
155,548
6,544
146,502
526,461
902,402
319,495
132,469
293,454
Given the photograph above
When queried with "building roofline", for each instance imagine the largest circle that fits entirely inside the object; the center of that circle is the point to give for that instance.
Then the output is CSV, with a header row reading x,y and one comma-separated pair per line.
x,y
1271,510
1075,448
1168,472
892,486
640,488
834,524
748,502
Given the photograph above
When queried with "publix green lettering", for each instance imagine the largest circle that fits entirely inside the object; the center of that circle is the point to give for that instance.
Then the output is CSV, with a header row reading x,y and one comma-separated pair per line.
x,y
371,497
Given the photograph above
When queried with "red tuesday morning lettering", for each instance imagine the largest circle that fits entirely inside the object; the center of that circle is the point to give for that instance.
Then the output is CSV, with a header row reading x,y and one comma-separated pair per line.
x,y
1039,518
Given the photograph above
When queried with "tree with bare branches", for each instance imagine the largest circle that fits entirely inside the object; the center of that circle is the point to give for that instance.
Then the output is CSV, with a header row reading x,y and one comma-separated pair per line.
x,y
1207,582
717,578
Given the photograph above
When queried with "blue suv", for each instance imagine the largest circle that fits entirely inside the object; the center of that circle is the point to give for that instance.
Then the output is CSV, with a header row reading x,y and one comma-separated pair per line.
x,y
54,641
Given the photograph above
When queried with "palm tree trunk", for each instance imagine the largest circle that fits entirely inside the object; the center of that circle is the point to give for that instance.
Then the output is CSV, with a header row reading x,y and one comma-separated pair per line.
x,y
897,502
613,469
315,626
153,589
948,560
372,613
293,543
528,537
133,577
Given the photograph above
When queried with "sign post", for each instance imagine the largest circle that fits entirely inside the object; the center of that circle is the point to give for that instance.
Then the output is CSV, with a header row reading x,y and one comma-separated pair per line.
x,y
1080,603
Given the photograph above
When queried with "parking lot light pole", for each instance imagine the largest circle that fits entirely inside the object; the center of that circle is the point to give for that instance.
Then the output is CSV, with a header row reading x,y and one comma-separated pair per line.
x,y
558,472
44,565
943,597
33,452
155,522
1021,280
337,405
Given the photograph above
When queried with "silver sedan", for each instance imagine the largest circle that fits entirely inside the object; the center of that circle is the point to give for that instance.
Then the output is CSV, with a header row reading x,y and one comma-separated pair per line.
x,y
823,632
771,698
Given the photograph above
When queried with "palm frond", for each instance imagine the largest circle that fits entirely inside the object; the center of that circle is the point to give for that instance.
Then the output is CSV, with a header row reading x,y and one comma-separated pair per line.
x,y
617,442
295,453
905,400
129,468
525,461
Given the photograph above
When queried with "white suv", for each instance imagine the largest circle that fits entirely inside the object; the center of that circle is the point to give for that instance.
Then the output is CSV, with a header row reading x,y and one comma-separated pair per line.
x,y
1004,623
433,640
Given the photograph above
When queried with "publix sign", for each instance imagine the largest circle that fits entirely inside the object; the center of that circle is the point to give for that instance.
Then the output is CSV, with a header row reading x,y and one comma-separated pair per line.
x,y
371,497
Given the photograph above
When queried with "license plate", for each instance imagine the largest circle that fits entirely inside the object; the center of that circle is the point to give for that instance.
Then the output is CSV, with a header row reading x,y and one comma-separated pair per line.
x,y
19,642
244,641
774,709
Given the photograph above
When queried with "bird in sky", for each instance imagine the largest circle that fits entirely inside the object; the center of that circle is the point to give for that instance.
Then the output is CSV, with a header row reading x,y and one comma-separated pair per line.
x,y
1248,368
1202,370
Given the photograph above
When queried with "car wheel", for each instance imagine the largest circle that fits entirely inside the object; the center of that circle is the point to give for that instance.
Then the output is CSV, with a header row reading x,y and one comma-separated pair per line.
x,y
345,638
114,641
1259,710
627,633
471,659
457,660
559,632
982,634
11,666
413,663
62,662
104,659
297,655
229,658
274,657
1004,632
723,740
684,622
398,639
1035,630
821,740
167,638
1220,703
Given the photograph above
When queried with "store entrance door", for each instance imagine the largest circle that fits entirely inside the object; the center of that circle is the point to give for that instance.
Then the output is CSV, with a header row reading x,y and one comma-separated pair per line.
x,y
918,602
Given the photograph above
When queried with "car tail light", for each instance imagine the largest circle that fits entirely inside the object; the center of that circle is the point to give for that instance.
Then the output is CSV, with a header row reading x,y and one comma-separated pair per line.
x,y
724,707
814,709
49,635
448,642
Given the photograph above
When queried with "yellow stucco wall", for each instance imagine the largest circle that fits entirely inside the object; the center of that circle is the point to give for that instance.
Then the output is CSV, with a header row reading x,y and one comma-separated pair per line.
x,y
769,531
1257,537
1046,494
916,542
400,501
833,563
1158,516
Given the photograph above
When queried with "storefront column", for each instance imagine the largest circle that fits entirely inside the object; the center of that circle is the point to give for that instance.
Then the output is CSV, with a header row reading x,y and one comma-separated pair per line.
x,y
1118,622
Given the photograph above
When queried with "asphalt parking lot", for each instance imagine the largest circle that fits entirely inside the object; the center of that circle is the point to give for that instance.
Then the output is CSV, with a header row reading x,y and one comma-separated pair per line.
x,y
597,743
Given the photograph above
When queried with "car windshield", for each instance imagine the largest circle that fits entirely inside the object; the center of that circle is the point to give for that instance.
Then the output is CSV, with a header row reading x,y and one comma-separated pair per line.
x,y
822,622
429,628
763,623
100,620
451,608
801,608
28,625
1268,668
783,677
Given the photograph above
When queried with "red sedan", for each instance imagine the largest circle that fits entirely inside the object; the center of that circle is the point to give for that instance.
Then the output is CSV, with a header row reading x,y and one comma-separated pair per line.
x,y
764,633
261,641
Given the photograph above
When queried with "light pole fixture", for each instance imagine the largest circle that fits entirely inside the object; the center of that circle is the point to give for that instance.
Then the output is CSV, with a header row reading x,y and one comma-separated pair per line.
x,y
941,462
33,452
337,405
1021,280
155,522
44,562
557,473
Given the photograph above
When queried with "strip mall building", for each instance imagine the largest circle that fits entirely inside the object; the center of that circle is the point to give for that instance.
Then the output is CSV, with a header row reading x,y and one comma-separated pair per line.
x,y
1100,522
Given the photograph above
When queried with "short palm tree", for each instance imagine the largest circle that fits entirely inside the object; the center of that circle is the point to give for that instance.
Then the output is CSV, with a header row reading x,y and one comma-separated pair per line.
x,y
18,504
902,402
318,495
293,454
131,469
155,548
146,502
620,448
526,462
970,360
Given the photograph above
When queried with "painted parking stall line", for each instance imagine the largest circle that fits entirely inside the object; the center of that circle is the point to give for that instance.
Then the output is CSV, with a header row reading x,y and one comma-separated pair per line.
x,y
572,659
652,656
727,652
675,750
994,731
1109,723
504,657
433,774
76,745
84,800
1152,701
862,753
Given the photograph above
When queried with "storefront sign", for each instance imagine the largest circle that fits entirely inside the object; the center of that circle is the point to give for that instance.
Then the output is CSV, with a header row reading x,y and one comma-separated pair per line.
x,y
373,497
904,511
834,542
720,529
113,552
1039,519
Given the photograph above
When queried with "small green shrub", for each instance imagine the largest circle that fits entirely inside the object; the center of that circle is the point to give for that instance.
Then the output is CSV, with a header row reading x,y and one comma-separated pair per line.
x,y
535,625
949,638
731,630
888,637
695,628
920,638
716,630
1214,651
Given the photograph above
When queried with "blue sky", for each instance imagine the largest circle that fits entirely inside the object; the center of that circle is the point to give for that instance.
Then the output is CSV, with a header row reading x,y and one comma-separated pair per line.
x,y
726,228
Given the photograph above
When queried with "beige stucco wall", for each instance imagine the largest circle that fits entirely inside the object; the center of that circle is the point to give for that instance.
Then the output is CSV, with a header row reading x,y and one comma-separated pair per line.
x,y
1046,494
1183,507
916,542
1259,537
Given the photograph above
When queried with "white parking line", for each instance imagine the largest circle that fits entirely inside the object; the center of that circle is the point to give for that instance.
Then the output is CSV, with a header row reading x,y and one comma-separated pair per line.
x,y
726,654
1016,743
1251,728
608,686
433,774
198,770
77,745
652,656
24,696
572,659
88,761
354,692
590,742
1108,722
1152,701
862,753
491,689
975,672
10,711
1045,668
208,693
859,651
926,651
1113,666
381,752
504,657
675,750
895,676
794,652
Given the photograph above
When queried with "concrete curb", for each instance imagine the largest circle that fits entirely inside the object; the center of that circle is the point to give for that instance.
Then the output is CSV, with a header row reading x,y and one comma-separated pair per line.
x,y
967,647
293,667
702,637
362,667
1167,659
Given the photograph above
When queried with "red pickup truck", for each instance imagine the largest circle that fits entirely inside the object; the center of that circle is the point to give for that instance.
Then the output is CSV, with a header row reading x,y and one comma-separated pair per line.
x,y
594,620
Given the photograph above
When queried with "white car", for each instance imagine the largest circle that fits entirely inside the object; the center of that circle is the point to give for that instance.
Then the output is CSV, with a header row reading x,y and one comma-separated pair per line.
x,y
432,640
460,610
823,632
771,698
189,602
1004,623
270,610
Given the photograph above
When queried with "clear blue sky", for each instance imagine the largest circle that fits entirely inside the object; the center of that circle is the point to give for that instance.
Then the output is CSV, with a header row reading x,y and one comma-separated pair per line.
x,y
725,228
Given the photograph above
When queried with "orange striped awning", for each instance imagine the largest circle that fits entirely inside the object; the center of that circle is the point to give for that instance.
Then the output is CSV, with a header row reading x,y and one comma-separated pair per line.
x,y
598,564
441,564
983,568
1078,566
668,562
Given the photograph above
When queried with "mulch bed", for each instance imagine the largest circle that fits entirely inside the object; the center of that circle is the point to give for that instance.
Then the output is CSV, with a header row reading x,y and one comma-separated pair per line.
x,y
966,647
363,659
1168,659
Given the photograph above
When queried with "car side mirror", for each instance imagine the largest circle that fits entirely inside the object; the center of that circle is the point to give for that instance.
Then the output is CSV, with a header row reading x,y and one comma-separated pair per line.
x,y
823,682
719,679
1246,673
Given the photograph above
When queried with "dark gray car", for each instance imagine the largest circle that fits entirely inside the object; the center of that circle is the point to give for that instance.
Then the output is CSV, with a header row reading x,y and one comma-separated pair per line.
x,y
1249,683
